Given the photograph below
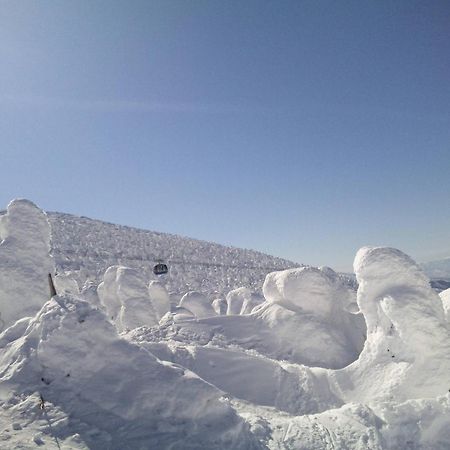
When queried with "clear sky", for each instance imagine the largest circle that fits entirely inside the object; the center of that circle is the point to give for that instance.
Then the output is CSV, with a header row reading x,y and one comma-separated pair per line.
x,y
304,129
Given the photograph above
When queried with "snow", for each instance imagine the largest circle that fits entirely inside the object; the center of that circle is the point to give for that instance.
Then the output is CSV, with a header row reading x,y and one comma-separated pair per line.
x,y
87,247
196,303
445,297
72,356
64,283
251,357
25,261
242,301
159,297
400,359
125,297
220,306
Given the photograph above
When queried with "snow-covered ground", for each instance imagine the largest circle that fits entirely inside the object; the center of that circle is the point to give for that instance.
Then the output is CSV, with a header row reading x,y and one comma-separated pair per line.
x,y
231,349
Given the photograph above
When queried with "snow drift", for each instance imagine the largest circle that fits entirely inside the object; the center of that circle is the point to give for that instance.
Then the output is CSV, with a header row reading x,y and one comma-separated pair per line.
x,y
71,355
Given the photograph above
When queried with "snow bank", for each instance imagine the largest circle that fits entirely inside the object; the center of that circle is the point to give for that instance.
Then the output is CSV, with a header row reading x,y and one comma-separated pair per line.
x,y
25,261
271,331
256,379
414,424
197,304
112,393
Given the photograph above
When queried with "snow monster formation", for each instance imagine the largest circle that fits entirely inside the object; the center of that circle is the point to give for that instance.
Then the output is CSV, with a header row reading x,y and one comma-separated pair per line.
x,y
303,320
242,301
197,304
407,351
445,297
125,297
25,261
159,297
294,373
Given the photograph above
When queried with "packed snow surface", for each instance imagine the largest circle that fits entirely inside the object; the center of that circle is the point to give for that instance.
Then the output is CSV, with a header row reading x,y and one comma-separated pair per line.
x,y
232,349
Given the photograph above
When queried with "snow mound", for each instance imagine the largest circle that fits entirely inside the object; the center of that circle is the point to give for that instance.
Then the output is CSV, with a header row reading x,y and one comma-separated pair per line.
x,y
197,304
113,394
306,290
25,261
294,389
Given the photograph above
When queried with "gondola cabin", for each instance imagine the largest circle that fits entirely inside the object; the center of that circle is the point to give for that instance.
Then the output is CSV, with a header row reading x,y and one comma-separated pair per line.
x,y
160,269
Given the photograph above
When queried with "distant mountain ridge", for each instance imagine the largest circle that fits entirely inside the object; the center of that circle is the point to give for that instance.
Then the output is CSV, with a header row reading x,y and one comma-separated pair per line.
x,y
438,269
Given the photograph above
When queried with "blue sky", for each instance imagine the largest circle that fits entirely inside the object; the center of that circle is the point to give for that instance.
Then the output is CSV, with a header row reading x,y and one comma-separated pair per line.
x,y
304,129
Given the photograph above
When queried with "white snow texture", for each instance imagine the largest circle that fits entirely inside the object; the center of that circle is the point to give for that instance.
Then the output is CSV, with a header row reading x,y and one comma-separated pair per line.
x,y
211,356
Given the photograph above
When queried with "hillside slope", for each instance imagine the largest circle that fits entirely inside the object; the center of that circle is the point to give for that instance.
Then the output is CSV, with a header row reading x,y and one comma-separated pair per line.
x,y
87,247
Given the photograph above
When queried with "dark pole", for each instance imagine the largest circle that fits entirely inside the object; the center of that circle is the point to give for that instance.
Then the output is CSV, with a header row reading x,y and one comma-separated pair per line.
x,y
52,286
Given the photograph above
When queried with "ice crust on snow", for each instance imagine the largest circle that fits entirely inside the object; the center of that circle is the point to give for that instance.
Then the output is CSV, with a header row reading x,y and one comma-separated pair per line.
x,y
312,365
25,261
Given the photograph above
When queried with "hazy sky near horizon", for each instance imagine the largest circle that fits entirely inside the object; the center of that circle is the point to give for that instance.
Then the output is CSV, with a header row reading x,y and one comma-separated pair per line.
x,y
304,129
